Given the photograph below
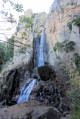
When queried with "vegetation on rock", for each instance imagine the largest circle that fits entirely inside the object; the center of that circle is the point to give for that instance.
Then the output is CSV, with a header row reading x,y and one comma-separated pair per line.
x,y
6,51
27,20
74,91
76,60
22,50
75,21
65,45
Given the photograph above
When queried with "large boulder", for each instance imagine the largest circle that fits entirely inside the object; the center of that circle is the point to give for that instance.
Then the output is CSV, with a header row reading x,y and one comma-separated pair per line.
x,y
44,72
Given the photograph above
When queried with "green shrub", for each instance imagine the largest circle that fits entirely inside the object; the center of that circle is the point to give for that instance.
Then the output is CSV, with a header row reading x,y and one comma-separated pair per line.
x,y
57,57
76,60
69,46
22,50
28,26
69,24
23,19
29,20
24,33
6,52
65,45
17,28
74,93
76,22
58,46
31,30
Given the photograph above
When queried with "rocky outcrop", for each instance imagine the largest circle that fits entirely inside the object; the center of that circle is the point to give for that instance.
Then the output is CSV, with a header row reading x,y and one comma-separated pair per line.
x,y
57,30
29,27
47,100
31,110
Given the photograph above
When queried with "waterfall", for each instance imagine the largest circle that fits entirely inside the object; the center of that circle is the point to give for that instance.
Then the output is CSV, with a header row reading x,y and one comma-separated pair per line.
x,y
40,59
26,90
41,56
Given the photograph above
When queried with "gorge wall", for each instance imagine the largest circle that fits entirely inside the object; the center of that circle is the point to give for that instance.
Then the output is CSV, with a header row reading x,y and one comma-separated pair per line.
x,y
57,30
29,28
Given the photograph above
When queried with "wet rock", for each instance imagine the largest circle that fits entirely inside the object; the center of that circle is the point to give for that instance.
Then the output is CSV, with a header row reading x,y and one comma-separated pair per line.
x,y
12,82
11,86
49,94
11,102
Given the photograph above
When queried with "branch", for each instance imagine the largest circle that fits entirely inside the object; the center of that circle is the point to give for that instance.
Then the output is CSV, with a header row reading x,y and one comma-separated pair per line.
x,y
11,43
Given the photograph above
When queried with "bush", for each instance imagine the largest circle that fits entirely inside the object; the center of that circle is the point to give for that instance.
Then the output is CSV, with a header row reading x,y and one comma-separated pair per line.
x,y
76,60
23,19
76,22
28,26
65,45
6,51
22,50
31,30
58,46
74,93
27,20
69,46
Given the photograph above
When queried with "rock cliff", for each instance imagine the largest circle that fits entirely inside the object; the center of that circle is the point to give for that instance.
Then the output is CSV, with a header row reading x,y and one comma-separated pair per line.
x,y
29,28
63,14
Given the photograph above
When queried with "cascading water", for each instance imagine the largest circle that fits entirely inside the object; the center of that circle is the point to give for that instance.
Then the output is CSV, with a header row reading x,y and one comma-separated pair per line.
x,y
41,56
26,90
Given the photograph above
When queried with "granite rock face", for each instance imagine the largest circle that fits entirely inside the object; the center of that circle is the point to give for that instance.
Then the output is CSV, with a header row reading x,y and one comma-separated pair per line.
x,y
57,30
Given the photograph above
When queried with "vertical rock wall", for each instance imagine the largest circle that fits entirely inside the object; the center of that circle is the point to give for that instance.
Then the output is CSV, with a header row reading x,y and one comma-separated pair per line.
x,y
57,30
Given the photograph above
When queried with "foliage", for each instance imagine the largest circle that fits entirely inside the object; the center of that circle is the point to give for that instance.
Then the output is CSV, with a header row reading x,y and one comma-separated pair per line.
x,y
74,92
76,60
17,28
11,19
2,53
22,50
76,22
27,20
28,26
65,45
57,57
6,52
31,30
69,46
58,46
23,19
18,7
24,33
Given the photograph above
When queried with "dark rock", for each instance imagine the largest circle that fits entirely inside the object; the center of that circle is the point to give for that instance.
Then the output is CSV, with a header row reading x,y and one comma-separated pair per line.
x,y
11,102
64,106
11,86
51,114
46,72
2,103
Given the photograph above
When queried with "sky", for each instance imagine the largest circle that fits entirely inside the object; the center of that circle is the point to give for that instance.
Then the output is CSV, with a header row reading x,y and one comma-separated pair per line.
x,y
35,5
